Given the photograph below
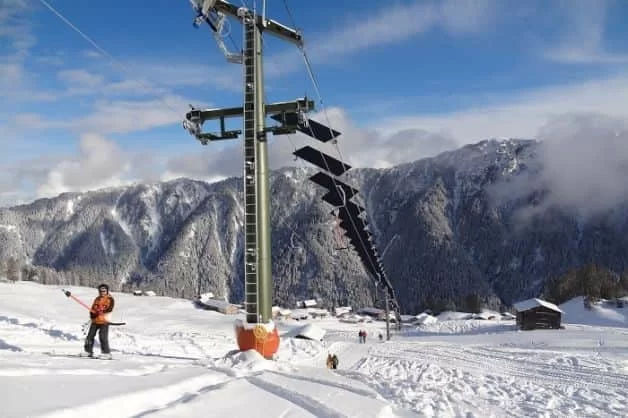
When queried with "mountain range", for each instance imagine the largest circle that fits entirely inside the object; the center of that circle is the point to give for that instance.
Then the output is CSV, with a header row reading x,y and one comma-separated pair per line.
x,y
476,221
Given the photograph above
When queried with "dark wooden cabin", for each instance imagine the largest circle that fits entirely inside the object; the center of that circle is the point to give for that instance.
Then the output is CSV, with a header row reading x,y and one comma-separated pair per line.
x,y
537,314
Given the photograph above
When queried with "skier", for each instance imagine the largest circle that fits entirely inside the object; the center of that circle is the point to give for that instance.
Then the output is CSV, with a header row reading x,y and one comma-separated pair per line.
x,y
334,362
99,313
330,361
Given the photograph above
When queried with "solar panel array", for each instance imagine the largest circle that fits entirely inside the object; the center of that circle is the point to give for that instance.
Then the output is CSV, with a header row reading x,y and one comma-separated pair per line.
x,y
353,217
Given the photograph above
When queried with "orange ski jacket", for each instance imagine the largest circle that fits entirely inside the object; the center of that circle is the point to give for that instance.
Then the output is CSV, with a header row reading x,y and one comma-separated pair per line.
x,y
101,306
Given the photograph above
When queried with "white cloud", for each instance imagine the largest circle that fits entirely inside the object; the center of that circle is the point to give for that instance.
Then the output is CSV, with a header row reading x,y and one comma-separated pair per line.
x,y
81,81
54,60
584,178
184,74
17,86
90,53
392,23
124,116
521,115
100,163
389,142
582,34
578,55
404,139
14,29
80,78
583,158
364,147
10,75
359,148
110,116
469,16
15,26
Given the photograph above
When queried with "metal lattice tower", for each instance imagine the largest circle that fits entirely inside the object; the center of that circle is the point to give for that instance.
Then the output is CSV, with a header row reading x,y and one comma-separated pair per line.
x,y
257,242
292,118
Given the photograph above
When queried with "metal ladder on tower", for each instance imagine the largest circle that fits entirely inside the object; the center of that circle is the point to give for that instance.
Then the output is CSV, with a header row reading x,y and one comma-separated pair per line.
x,y
250,136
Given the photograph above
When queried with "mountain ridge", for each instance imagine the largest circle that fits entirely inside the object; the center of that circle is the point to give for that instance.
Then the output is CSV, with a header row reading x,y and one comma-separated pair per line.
x,y
462,217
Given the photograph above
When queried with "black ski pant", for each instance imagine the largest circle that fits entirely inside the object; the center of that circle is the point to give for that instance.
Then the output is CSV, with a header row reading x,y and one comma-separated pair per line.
x,y
103,338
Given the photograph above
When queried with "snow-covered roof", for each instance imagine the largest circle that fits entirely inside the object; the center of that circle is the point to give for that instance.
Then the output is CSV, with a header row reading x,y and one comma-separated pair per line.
x,y
300,314
525,305
309,331
484,315
207,295
216,303
318,311
371,311
425,318
339,310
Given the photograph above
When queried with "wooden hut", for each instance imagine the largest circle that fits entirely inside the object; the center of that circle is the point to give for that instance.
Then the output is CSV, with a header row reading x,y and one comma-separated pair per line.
x,y
537,314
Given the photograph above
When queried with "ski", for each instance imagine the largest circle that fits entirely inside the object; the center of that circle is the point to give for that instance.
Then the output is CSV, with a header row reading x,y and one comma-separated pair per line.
x,y
70,355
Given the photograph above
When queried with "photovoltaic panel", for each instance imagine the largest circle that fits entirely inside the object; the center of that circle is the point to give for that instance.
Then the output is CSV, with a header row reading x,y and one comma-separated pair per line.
x,y
333,198
322,160
331,184
312,129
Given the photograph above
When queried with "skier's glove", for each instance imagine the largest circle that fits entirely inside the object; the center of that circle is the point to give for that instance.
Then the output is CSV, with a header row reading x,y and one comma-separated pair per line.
x,y
67,293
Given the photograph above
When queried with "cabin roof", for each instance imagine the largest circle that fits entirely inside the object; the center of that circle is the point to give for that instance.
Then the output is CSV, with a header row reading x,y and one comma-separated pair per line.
x,y
526,305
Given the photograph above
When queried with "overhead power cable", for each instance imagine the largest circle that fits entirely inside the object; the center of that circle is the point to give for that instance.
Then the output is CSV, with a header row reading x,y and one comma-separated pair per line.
x,y
107,55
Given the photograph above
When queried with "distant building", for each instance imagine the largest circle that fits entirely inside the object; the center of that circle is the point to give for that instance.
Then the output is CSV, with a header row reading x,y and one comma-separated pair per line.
x,y
309,303
341,310
218,306
299,314
374,313
318,313
308,332
281,313
537,314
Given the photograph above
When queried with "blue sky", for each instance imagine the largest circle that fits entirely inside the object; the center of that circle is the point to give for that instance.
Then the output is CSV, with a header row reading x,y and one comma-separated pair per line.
x,y
401,79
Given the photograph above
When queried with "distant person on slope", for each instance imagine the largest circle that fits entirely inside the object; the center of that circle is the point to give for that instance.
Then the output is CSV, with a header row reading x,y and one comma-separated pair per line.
x,y
330,361
99,315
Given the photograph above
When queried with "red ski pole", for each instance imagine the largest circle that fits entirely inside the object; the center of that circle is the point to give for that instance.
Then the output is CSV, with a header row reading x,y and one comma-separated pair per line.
x,y
70,295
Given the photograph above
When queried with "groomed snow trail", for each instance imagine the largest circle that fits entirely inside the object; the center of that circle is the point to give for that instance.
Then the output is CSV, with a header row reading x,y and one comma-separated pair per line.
x,y
173,360
447,380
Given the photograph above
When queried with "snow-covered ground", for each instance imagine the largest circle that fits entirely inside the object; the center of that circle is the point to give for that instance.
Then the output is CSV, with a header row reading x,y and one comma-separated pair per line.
x,y
174,360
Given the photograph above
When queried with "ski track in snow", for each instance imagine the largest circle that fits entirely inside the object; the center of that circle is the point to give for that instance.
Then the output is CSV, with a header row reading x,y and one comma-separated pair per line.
x,y
438,379
55,333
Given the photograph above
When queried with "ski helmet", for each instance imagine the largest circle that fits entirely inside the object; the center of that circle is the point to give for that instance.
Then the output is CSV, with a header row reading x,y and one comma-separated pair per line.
x,y
104,286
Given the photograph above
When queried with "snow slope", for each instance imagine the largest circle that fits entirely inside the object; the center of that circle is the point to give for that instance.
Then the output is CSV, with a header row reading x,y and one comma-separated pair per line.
x,y
173,360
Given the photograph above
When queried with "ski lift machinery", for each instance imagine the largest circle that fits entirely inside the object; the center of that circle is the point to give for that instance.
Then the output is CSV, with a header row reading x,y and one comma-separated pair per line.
x,y
258,332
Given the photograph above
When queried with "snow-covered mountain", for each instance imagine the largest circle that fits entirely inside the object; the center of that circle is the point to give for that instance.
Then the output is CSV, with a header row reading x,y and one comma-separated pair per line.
x,y
476,220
